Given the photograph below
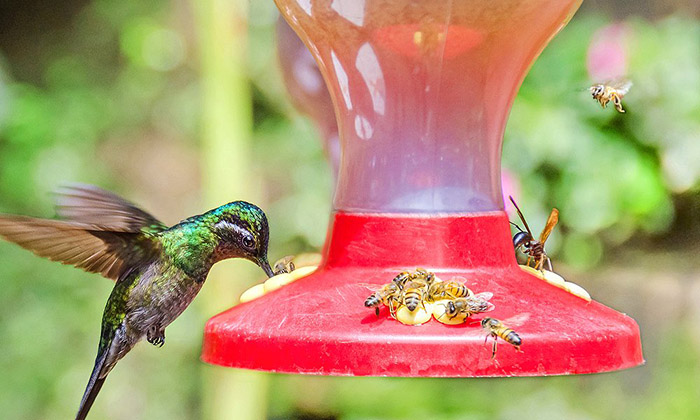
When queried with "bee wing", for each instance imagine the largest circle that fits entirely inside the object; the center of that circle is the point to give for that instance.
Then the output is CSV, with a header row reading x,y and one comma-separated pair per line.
x,y
516,320
624,89
483,296
552,221
285,259
621,85
476,300
489,307
371,287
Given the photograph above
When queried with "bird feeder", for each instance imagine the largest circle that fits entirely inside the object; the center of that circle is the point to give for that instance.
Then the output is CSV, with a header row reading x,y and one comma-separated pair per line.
x,y
307,90
421,91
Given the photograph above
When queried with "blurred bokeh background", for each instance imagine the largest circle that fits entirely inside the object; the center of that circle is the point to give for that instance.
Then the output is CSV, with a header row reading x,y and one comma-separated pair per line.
x,y
180,106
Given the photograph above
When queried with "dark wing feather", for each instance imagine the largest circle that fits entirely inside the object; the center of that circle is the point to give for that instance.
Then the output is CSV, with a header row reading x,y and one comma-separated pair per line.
x,y
84,246
91,205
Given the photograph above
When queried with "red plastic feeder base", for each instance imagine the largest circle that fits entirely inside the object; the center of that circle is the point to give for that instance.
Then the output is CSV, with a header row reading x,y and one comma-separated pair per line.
x,y
319,325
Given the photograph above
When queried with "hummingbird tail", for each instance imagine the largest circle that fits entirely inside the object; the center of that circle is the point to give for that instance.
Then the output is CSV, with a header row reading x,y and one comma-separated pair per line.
x,y
93,387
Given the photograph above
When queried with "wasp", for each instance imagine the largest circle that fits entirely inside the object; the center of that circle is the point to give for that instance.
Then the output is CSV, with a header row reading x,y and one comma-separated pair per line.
x,y
611,91
526,241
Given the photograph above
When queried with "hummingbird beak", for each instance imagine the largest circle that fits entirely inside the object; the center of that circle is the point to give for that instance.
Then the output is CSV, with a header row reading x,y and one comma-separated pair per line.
x,y
265,265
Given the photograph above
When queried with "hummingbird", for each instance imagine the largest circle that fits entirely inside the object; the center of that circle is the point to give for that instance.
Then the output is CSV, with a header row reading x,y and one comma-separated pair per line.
x,y
158,270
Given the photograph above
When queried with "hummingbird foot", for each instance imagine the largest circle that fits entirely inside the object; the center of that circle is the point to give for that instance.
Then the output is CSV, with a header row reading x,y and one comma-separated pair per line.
x,y
156,336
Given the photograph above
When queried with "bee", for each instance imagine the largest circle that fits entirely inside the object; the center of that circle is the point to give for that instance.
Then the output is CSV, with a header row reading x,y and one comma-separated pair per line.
x,y
451,289
497,329
526,241
468,306
284,265
414,293
389,295
402,278
420,275
611,91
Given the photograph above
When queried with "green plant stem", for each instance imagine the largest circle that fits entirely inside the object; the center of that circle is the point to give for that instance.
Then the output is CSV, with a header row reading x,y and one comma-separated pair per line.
x,y
227,176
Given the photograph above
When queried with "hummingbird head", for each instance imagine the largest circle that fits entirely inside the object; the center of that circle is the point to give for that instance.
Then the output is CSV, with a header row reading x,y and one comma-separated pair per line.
x,y
242,232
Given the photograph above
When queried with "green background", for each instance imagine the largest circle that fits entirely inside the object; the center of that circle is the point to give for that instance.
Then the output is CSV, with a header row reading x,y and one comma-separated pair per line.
x,y
112,93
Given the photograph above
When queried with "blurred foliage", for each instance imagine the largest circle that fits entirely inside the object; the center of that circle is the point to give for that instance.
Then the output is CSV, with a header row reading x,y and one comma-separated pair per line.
x,y
611,175
121,71
119,78
115,101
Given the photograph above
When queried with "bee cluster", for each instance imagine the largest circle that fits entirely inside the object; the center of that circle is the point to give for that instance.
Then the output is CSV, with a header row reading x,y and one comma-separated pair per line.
x,y
413,297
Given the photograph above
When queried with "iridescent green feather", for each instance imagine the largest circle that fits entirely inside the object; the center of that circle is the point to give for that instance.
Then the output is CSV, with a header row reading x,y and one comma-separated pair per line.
x,y
116,309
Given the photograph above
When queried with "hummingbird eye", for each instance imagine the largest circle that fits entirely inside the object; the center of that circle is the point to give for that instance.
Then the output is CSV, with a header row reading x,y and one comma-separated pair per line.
x,y
249,242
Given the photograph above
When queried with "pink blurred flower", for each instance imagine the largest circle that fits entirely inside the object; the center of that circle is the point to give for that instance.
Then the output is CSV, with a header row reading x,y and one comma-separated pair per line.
x,y
607,55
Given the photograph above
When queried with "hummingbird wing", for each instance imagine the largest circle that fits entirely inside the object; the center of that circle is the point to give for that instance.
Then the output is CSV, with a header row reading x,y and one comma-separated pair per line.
x,y
92,248
92,205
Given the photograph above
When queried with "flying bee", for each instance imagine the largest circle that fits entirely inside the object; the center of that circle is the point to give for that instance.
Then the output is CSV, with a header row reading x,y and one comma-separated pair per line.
x,y
389,295
611,91
414,294
470,305
534,249
284,265
450,289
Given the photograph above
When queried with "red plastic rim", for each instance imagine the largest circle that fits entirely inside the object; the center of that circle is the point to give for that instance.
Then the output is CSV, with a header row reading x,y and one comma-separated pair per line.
x,y
319,325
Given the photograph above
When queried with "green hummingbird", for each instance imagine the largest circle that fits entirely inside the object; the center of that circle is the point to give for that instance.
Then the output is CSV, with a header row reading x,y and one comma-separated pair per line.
x,y
158,269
